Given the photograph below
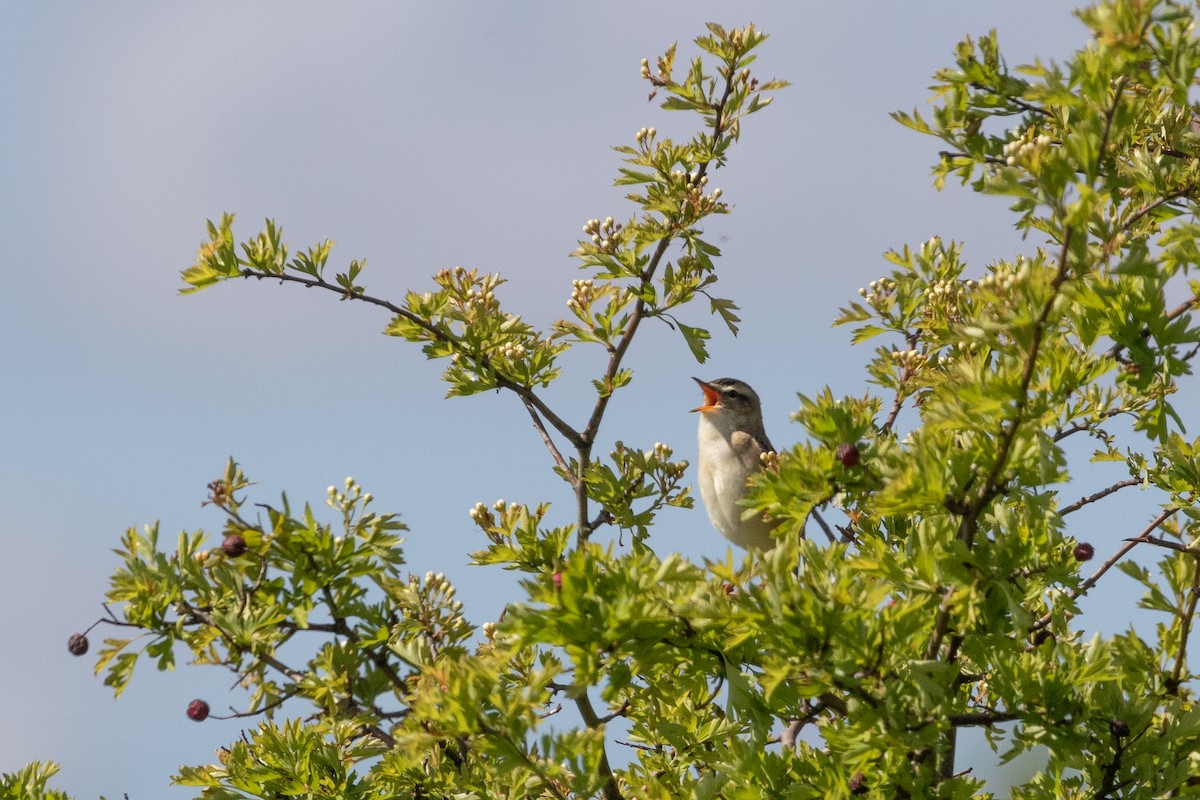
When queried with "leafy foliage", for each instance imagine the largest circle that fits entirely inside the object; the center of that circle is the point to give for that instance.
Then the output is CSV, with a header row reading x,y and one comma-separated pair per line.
x,y
946,598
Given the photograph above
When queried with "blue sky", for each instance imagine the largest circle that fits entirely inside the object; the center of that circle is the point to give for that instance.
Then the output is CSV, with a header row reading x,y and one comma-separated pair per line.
x,y
419,136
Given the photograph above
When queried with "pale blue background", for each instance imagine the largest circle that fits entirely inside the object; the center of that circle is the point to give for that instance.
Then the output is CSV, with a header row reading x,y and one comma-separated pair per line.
x,y
420,136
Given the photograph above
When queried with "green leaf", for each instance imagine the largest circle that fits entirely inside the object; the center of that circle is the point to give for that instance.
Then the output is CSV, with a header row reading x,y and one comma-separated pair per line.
x,y
695,338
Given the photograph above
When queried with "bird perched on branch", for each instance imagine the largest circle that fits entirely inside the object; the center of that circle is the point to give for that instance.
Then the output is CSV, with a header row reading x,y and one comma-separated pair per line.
x,y
732,442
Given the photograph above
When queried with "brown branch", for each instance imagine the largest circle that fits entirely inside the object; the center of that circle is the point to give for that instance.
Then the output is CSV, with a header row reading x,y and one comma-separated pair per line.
x,y
1182,548
1023,105
561,462
1182,308
609,791
524,392
1148,208
897,404
1141,538
824,525
1100,495
940,625
985,718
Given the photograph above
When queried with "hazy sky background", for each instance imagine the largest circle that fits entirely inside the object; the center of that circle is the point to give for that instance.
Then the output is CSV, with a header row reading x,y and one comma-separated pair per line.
x,y
419,136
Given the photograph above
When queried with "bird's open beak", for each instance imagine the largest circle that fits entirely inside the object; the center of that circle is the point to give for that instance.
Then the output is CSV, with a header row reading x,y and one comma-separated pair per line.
x,y
711,397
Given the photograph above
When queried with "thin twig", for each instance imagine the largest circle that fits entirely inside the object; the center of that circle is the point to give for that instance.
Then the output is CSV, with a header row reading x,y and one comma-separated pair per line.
x,y
824,525
1182,308
525,393
561,462
1100,495
985,718
1132,542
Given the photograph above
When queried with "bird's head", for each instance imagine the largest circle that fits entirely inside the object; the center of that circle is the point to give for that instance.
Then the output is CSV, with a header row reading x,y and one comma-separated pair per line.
x,y
729,396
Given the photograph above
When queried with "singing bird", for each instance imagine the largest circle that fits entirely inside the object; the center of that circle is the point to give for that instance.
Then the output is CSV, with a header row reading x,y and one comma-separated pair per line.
x,y
732,441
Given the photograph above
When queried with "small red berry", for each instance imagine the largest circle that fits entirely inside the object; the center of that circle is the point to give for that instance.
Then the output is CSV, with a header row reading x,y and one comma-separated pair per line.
x,y
234,545
557,580
847,453
197,710
858,784
77,644
1084,551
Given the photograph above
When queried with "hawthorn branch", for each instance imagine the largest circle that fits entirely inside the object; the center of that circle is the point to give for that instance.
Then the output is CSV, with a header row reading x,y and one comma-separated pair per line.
x,y
984,718
526,394
1115,351
561,462
1149,208
1143,537
587,437
1015,102
1100,495
609,791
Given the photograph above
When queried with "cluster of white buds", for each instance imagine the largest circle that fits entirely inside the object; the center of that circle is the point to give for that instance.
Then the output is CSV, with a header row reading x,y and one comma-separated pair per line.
x,y
695,191
770,460
582,294
513,351
659,458
481,297
661,77
909,359
645,134
942,298
482,516
447,277
1024,147
603,234
660,452
489,630
1004,278
437,580
353,493
877,291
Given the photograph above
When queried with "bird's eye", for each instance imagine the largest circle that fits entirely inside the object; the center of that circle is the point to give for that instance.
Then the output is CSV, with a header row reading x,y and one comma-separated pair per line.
x,y
733,394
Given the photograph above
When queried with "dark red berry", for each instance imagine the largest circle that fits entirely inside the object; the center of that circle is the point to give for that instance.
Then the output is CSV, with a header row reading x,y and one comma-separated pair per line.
x,y
858,784
234,545
197,710
1119,728
1084,552
847,453
77,644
